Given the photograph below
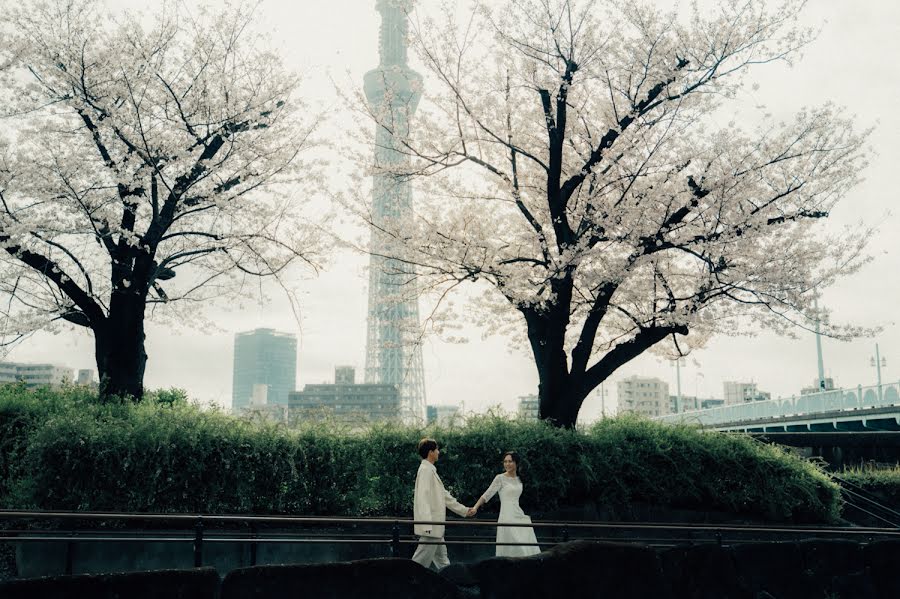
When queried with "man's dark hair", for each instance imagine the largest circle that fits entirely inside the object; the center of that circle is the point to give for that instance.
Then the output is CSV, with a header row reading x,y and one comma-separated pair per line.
x,y
425,446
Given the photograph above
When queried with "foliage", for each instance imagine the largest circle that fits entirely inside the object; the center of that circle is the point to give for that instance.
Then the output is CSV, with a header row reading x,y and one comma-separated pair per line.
x,y
65,450
573,160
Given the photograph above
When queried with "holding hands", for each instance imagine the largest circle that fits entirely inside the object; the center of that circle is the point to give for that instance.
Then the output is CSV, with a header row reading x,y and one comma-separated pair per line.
x,y
472,511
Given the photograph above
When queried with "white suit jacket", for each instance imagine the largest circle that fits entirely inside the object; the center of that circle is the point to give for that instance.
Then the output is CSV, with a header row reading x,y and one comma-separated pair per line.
x,y
431,501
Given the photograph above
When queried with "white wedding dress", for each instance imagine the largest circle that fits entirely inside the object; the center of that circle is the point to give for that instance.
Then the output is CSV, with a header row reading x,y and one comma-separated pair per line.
x,y
510,489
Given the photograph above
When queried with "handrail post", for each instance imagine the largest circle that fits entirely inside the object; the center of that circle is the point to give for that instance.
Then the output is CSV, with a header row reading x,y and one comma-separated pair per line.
x,y
565,533
395,539
70,548
719,537
253,544
198,542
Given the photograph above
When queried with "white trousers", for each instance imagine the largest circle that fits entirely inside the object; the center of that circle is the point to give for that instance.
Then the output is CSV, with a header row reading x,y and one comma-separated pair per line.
x,y
428,554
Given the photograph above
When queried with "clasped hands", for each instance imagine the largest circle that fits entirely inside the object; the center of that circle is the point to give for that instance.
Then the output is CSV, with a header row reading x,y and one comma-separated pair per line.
x,y
471,512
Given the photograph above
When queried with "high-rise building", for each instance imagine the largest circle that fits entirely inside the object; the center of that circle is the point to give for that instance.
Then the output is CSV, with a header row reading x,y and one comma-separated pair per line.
x,y
35,375
393,350
643,395
346,402
263,357
738,393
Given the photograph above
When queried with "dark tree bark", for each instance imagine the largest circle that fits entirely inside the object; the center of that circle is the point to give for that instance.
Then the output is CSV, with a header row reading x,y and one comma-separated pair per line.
x,y
119,347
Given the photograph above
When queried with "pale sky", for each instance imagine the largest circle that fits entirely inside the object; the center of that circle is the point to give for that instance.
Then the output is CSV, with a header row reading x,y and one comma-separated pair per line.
x,y
852,63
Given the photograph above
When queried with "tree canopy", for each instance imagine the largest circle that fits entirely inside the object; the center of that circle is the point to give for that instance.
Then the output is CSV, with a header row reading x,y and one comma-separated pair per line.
x,y
570,158
134,150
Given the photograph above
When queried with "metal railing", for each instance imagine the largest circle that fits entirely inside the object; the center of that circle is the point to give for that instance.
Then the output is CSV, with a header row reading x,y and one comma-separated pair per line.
x,y
836,400
18,526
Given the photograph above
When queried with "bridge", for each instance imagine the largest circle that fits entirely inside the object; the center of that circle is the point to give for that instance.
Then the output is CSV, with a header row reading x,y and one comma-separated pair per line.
x,y
874,408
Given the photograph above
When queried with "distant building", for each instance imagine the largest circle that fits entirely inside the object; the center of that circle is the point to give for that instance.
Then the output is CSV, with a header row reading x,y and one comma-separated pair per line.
x,y
738,393
85,378
529,407
344,375
263,357
816,388
346,402
688,403
259,395
35,375
444,415
705,404
643,395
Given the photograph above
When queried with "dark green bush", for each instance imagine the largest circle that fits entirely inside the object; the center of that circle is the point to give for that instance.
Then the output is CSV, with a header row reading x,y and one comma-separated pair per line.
x,y
63,450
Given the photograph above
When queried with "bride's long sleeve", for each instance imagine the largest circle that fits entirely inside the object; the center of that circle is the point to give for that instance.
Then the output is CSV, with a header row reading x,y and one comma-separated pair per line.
x,y
492,490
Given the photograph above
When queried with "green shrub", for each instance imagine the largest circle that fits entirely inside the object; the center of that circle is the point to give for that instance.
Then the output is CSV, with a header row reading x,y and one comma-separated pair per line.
x,y
64,450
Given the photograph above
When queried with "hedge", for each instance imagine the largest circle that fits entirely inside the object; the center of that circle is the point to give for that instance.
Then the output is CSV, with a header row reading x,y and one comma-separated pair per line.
x,y
62,450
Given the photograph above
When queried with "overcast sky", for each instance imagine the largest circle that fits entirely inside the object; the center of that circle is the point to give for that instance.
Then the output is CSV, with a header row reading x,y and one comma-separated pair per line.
x,y
853,63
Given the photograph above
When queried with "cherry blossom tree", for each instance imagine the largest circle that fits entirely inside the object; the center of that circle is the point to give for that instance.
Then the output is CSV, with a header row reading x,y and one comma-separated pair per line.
x,y
572,157
136,149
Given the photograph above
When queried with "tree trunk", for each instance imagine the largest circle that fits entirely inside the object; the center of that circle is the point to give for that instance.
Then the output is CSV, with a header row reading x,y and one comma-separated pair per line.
x,y
119,347
560,399
560,394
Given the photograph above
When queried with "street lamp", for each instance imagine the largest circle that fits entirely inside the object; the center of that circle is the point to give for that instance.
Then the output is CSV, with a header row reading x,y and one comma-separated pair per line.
x,y
878,362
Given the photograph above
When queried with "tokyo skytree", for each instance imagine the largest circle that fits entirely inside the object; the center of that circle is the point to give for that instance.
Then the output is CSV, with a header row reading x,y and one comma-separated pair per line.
x,y
393,349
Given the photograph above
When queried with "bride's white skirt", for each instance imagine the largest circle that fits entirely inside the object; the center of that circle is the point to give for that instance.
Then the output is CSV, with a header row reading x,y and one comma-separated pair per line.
x,y
516,534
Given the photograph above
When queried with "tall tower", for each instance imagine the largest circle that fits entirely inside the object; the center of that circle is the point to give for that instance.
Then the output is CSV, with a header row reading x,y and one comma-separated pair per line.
x,y
393,351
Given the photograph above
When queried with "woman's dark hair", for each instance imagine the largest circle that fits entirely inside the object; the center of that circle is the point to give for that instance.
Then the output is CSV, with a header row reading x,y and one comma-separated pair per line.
x,y
425,446
514,456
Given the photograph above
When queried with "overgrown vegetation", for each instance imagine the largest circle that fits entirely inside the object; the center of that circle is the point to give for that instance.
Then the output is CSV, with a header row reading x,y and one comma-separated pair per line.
x,y
882,483
64,450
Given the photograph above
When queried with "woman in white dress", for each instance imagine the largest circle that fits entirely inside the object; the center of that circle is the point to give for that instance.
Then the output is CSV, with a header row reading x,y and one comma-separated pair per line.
x,y
509,486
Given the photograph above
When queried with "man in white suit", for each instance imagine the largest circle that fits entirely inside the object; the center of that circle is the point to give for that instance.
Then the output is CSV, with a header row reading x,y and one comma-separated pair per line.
x,y
431,502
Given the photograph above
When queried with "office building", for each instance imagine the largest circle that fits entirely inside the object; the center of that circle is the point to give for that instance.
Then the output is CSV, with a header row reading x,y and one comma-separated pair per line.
x,y
642,395
346,402
263,357
35,375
